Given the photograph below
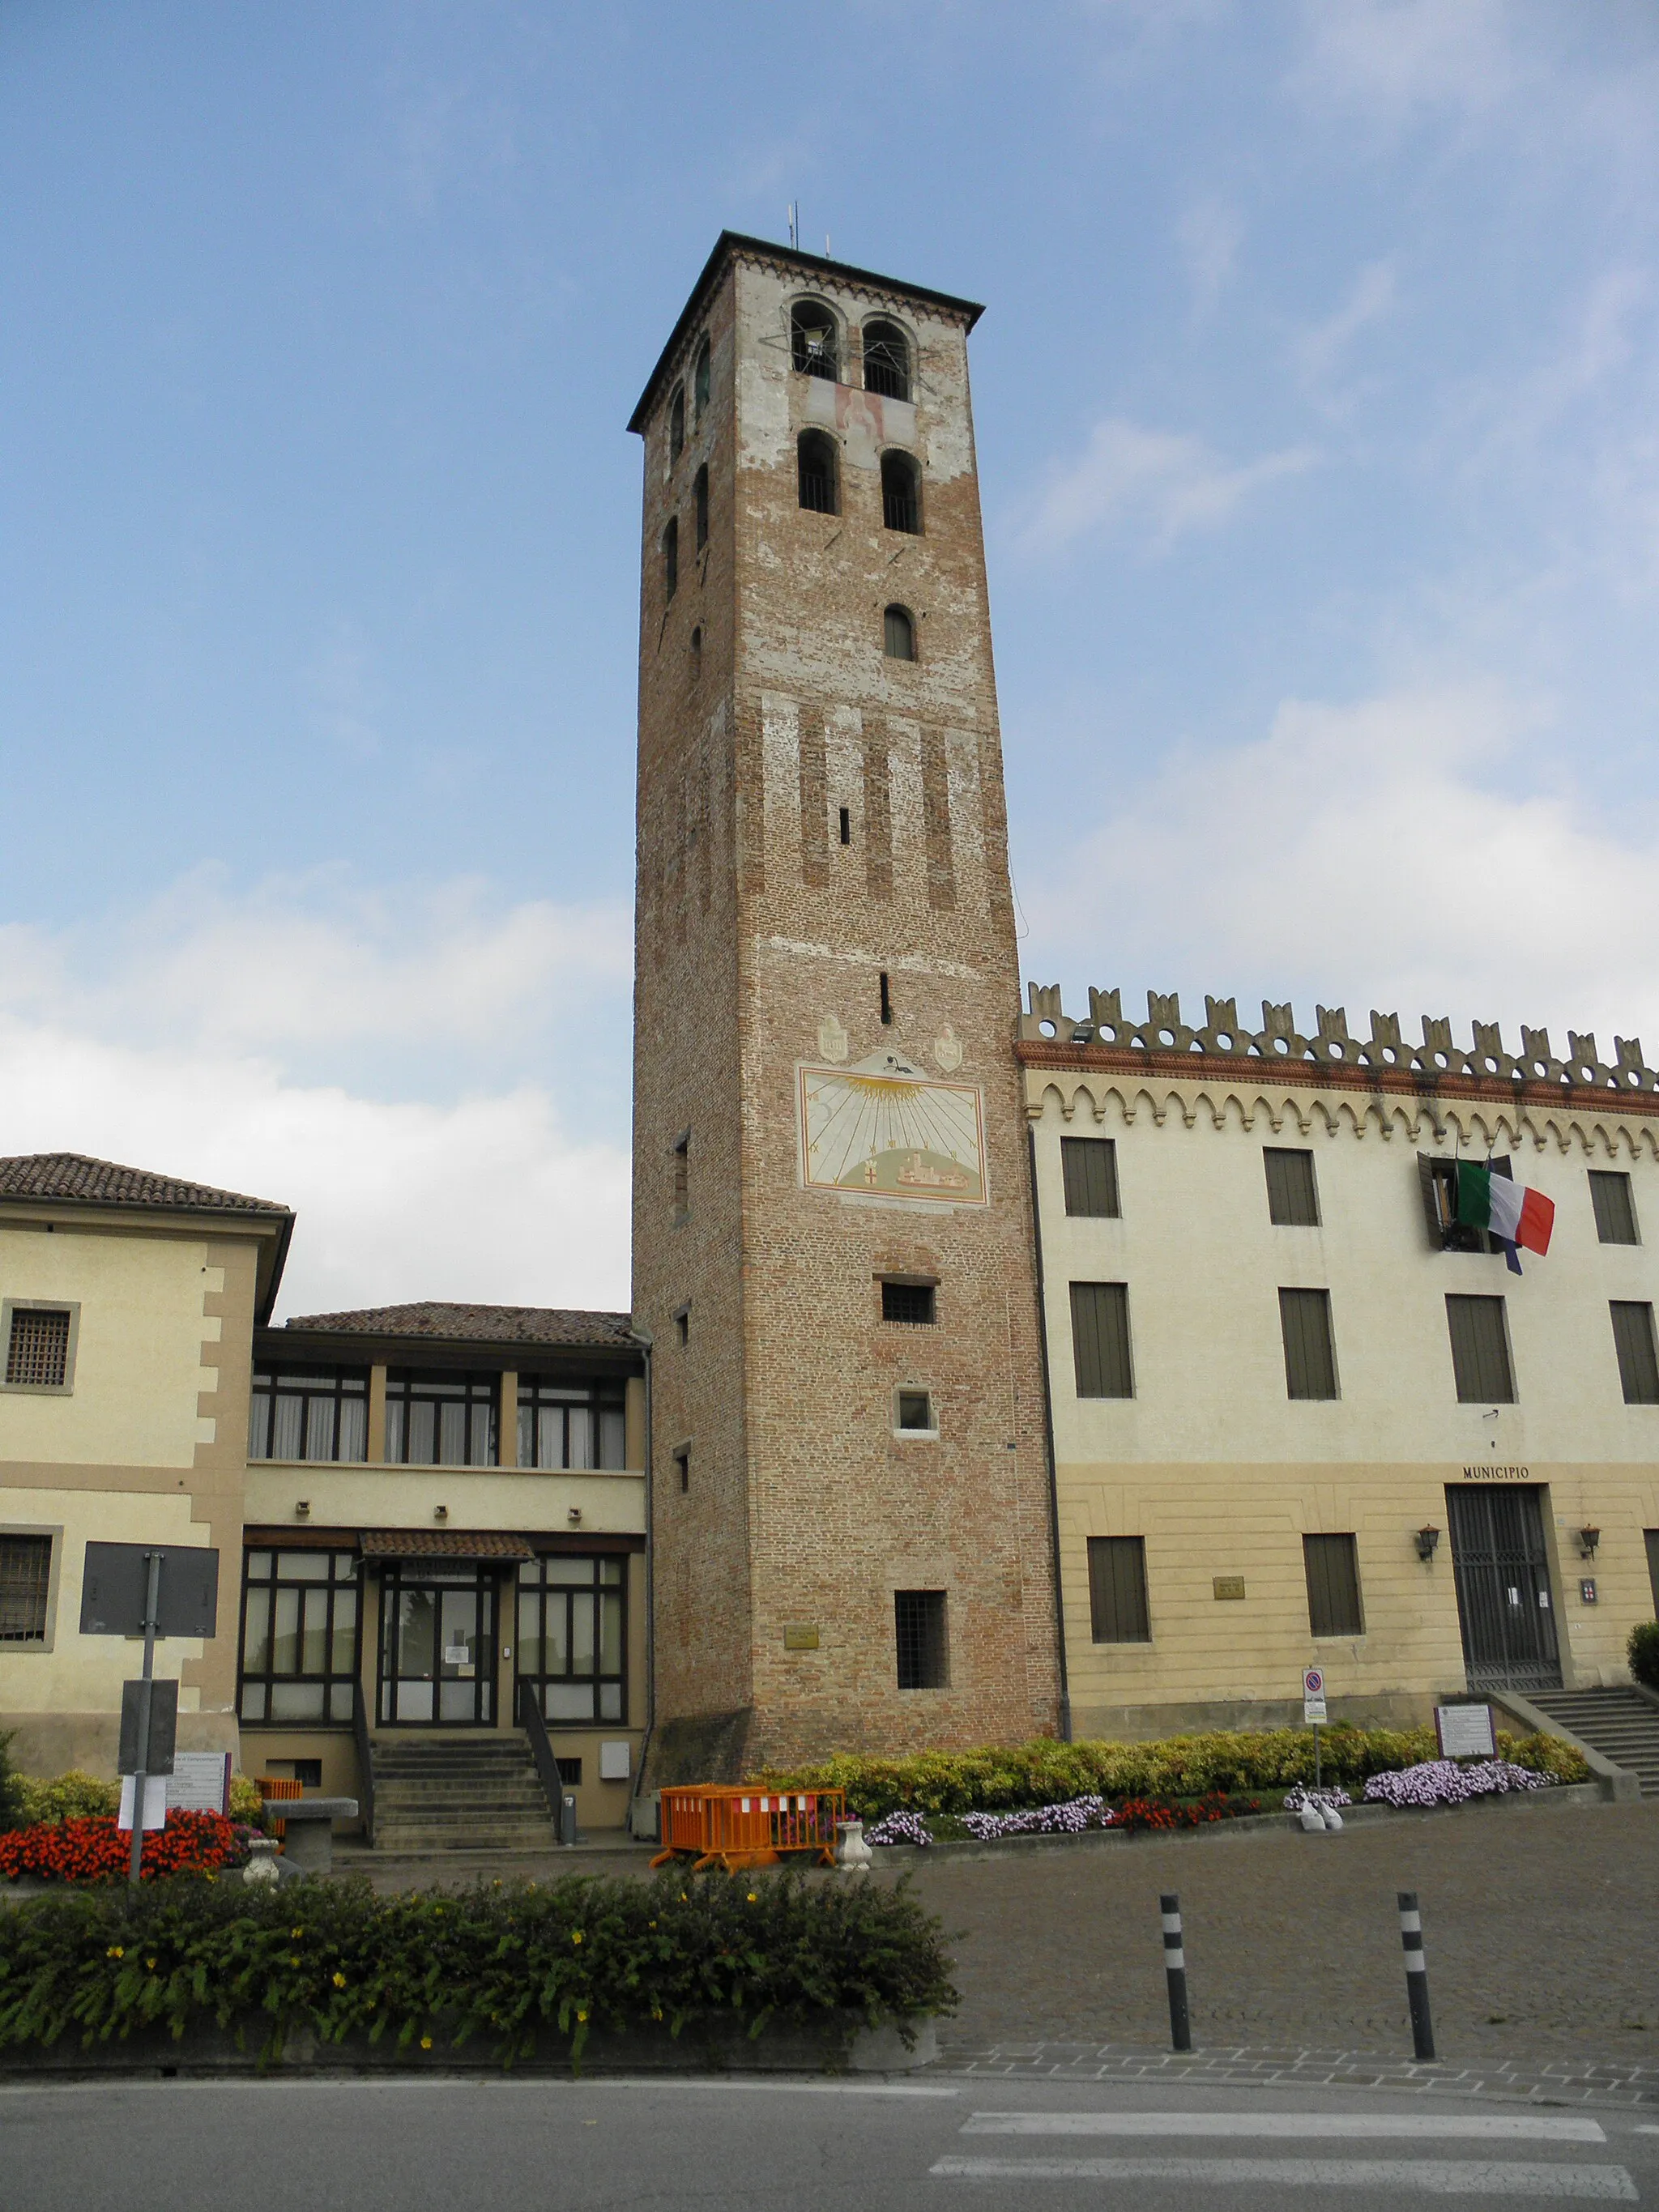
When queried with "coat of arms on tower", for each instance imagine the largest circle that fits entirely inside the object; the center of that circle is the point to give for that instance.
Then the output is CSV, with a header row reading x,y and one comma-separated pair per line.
x,y
885,1130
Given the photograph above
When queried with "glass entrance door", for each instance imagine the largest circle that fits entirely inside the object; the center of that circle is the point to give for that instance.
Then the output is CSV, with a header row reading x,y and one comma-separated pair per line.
x,y
437,1646
1503,1577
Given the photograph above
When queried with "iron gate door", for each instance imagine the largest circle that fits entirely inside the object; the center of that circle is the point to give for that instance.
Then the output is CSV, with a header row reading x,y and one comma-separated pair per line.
x,y
1504,1602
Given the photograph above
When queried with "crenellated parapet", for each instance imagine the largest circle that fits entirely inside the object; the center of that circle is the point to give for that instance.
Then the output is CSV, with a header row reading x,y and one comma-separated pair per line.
x,y
1222,1037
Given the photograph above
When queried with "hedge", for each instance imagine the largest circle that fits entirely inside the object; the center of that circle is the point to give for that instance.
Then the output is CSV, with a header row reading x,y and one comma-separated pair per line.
x,y
511,1963
78,1797
1046,1771
1643,1652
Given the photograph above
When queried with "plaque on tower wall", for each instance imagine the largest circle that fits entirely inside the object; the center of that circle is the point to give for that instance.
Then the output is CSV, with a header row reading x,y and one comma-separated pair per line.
x,y
885,1130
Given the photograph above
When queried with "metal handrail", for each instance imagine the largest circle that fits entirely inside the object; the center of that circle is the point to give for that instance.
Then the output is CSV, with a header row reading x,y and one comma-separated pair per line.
x,y
365,1761
534,1725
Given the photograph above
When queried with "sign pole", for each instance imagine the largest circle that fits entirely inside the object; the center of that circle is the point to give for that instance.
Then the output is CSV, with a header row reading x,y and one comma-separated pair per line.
x,y
146,1694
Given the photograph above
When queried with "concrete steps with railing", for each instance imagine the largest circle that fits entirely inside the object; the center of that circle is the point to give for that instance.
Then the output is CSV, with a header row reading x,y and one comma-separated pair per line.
x,y
452,1794
1622,1724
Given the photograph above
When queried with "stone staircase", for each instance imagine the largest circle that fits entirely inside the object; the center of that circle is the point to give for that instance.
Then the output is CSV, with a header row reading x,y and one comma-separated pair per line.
x,y
1619,1723
460,1794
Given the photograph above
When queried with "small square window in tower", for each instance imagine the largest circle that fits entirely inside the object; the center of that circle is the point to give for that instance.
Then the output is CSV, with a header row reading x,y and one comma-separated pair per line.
x,y
1292,1195
919,1633
909,1302
1089,1167
915,1415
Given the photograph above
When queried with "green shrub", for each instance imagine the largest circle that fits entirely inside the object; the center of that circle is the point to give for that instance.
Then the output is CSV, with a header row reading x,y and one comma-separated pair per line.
x,y
71,1796
507,1963
1643,1652
11,1789
1045,1773
246,1802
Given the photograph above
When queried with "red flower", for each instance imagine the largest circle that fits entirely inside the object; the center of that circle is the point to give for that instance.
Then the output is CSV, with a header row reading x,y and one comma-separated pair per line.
x,y
97,1851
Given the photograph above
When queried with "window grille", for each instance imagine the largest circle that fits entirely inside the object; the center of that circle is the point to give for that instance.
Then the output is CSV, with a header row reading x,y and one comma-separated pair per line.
x,y
24,1588
1633,1337
816,469
1089,1167
308,1413
1304,1319
918,1634
901,494
562,1424
886,360
703,506
898,634
908,1302
812,341
1100,1341
572,1640
1480,1350
37,1354
1615,1209
298,1636
440,1419
1292,1195
1331,1566
1117,1590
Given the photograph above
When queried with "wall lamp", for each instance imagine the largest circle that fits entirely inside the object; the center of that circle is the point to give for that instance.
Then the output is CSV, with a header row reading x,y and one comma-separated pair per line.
x,y
1428,1542
1587,1540
440,1513
302,1509
1083,1033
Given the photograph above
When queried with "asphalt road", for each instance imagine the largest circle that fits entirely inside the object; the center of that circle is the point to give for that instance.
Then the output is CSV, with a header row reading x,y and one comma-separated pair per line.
x,y
771,2146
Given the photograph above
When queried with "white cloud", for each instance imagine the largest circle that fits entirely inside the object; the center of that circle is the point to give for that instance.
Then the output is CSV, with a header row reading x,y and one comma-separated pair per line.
x,y
210,1035
1396,57
1321,351
1210,236
1165,482
1375,854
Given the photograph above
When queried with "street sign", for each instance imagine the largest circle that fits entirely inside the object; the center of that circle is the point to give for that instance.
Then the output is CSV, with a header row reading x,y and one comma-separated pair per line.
x,y
200,1782
154,1754
155,1800
1313,1694
113,1586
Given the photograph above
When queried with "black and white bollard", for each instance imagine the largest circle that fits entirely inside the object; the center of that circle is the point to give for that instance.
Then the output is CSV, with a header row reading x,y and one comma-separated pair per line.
x,y
1417,1974
1175,1969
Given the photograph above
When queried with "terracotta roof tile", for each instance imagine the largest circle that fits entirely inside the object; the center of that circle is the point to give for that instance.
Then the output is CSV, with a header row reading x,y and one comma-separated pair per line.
x,y
74,1176
442,1543
434,1320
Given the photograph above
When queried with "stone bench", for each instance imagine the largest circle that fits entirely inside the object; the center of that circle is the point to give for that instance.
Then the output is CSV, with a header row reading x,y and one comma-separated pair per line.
x,y
308,1842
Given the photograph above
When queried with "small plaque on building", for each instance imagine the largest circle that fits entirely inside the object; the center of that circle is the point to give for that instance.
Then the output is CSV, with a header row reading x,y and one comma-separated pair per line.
x,y
799,1638
1465,1731
1587,1588
1229,1585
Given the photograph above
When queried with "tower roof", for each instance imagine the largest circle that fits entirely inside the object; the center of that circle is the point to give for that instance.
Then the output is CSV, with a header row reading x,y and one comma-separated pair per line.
x,y
731,242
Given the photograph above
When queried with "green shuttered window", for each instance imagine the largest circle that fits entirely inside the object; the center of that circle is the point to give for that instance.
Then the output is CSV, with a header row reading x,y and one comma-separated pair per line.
x,y
1615,1209
1480,1350
1292,1195
1333,1569
1090,1167
1304,1316
1117,1589
1100,1340
1633,1336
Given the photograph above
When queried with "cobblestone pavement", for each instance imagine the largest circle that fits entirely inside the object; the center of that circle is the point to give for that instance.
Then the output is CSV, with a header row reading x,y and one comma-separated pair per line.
x,y
1540,1927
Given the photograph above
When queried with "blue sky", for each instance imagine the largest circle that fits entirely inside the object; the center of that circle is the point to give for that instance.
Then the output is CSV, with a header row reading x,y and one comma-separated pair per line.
x,y
1317,404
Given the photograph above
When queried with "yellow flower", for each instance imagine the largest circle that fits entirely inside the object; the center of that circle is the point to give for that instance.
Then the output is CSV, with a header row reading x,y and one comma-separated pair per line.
x,y
115,1951
339,1981
656,2011
150,1963
297,1933
753,1899
576,1936
293,1958
581,2015
651,1924
426,2043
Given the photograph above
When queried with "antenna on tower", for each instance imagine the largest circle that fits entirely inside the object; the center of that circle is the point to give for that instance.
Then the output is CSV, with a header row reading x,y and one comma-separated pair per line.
x,y
793,212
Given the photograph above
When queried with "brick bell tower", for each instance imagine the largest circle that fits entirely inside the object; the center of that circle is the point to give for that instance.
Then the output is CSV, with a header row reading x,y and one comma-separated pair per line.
x,y
833,1246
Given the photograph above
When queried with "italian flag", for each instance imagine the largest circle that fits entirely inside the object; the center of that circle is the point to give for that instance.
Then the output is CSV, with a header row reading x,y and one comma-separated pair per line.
x,y
1511,1212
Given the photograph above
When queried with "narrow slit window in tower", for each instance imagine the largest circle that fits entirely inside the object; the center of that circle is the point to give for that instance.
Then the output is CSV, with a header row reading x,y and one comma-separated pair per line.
x,y
886,998
898,634
846,825
699,382
676,426
901,494
671,557
816,473
703,506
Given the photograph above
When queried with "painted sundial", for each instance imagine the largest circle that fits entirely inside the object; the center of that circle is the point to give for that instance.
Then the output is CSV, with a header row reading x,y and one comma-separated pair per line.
x,y
886,1130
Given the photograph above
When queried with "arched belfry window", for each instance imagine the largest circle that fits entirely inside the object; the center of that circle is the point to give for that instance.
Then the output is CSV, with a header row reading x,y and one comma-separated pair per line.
x,y
901,493
886,360
700,383
899,634
671,557
677,425
812,339
703,506
816,473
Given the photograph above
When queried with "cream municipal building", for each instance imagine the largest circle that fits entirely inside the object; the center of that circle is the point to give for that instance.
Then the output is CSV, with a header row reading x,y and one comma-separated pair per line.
x,y
990,1371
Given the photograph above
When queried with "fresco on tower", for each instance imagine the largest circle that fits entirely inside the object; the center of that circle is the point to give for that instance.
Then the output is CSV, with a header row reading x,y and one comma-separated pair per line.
x,y
884,1129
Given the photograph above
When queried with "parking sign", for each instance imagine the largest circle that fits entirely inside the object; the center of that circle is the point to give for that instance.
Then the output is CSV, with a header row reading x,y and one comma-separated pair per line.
x,y
1313,1694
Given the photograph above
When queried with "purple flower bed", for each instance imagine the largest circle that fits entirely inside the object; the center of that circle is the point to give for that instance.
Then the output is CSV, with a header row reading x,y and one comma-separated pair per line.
x,y
1441,1782
899,1828
1301,1795
1069,1820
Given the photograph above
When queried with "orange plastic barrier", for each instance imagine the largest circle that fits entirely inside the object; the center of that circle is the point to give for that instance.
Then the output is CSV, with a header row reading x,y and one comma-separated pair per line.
x,y
729,1824
273,1787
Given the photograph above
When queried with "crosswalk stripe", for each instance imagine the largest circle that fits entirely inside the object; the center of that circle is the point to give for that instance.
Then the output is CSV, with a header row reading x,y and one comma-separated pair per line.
x,y
1433,2177
1490,2127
